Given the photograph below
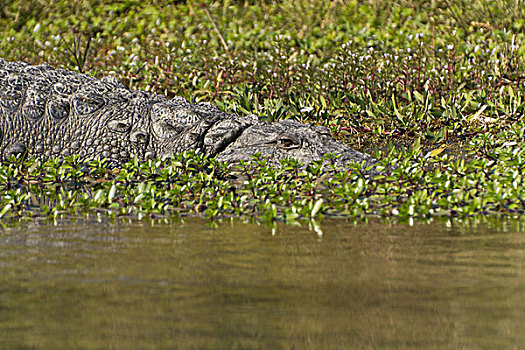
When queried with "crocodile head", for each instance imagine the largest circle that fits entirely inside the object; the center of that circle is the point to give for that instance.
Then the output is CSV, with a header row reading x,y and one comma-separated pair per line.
x,y
289,138
233,139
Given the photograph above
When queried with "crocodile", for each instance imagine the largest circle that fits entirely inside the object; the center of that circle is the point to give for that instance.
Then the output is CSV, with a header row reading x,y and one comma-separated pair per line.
x,y
48,112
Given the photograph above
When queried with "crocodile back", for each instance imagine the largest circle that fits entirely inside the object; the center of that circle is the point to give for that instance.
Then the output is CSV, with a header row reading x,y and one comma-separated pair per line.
x,y
54,113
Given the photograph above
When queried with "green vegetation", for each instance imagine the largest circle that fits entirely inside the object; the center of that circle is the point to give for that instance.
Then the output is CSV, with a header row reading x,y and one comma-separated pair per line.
x,y
433,87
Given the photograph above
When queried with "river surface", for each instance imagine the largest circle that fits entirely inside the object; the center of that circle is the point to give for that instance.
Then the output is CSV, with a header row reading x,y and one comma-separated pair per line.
x,y
187,285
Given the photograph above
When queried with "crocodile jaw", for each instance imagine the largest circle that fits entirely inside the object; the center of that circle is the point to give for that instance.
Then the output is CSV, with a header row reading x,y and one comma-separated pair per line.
x,y
291,139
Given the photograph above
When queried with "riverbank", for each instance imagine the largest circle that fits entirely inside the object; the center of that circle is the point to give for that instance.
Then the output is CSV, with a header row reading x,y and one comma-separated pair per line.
x,y
434,91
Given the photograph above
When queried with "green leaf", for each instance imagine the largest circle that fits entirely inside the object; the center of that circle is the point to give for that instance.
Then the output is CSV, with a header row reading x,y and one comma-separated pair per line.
x,y
5,209
418,96
416,146
316,208
111,193
478,113
436,151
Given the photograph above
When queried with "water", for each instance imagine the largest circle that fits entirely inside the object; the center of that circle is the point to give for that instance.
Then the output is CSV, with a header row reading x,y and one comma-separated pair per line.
x,y
188,286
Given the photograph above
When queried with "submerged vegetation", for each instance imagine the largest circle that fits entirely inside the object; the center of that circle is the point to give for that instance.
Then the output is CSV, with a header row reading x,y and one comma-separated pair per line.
x,y
432,88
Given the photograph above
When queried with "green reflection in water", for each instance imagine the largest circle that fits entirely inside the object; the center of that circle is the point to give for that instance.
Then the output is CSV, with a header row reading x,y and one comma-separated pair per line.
x,y
144,285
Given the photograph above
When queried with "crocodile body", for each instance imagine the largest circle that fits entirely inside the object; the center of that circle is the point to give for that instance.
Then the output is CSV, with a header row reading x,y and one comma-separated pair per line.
x,y
47,112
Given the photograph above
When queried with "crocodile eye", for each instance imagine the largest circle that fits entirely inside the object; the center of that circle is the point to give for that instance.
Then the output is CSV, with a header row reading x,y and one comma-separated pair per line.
x,y
288,142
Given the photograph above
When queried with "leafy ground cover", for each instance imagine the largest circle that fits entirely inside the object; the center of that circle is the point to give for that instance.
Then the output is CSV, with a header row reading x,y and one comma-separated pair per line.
x,y
435,88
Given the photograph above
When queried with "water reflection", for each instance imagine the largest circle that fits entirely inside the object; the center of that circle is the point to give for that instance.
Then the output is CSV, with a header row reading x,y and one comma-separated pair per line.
x,y
375,285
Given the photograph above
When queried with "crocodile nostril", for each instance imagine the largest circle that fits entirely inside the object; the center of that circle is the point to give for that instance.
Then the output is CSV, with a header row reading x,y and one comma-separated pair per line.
x,y
288,142
139,137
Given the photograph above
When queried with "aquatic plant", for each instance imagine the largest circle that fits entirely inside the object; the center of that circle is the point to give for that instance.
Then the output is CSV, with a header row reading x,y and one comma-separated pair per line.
x,y
433,89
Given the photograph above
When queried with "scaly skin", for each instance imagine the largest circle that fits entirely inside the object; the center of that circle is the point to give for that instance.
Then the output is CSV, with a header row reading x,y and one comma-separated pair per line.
x,y
47,112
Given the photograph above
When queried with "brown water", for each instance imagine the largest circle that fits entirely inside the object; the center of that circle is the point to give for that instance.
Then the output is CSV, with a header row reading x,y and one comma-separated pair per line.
x,y
188,286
